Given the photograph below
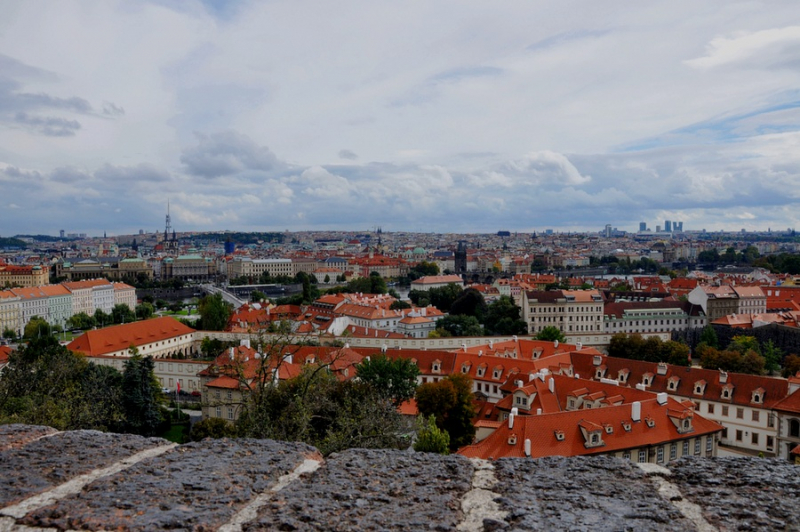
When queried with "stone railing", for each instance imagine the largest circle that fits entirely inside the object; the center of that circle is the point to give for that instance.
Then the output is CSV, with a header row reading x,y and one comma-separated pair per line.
x,y
95,481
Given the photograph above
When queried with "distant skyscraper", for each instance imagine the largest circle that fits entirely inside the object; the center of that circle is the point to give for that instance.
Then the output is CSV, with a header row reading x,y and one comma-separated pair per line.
x,y
668,226
658,229
679,227
608,231
642,227
61,233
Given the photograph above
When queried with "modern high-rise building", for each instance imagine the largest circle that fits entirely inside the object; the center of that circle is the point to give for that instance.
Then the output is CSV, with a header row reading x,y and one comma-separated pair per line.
x,y
668,226
642,227
608,231
678,227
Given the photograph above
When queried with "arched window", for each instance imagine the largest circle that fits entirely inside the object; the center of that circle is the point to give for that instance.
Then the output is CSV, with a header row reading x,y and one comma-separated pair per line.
x,y
794,428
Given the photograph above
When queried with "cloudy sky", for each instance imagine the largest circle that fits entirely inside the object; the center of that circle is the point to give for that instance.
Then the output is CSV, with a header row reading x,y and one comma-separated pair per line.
x,y
446,116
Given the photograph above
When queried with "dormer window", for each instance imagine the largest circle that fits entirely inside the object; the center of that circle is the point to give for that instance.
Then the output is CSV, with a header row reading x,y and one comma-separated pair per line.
x,y
672,383
497,372
559,435
436,367
623,375
512,440
647,379
481,371
727,391
758,396
650,422
465,368
699,387
595,439
609,429
626,425
600,372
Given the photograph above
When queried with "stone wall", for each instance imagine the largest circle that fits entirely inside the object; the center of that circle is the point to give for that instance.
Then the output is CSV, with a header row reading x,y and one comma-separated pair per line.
x,y
91,481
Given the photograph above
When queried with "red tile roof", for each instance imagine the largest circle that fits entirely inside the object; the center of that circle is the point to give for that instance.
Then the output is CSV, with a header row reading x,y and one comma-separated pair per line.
x,y
121,337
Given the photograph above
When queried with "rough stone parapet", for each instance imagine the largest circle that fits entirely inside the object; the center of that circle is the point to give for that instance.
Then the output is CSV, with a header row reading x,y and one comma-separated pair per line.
x,y
372,490
95,481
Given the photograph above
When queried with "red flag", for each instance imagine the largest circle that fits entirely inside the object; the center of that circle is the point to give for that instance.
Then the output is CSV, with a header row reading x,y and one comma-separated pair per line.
x,y
179,387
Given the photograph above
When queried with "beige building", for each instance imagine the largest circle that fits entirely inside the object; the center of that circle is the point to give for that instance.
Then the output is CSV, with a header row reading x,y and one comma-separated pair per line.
x,y
571,311
23,276
157,337
125,295
10,312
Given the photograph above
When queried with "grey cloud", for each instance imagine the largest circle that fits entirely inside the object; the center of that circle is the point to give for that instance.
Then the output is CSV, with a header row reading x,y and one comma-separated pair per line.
x,y
12,68
347,154
565,37
42,100
111,109
69,175
131,174
227,153
48,125
458,74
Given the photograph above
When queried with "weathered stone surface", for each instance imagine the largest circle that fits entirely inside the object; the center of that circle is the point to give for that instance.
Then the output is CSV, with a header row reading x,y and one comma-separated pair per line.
x,y
741,493
48,462
597,493
372,490
198,486
18,435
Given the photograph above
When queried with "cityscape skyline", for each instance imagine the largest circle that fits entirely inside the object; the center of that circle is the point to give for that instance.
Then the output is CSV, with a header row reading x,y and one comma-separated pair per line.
x,y
443,117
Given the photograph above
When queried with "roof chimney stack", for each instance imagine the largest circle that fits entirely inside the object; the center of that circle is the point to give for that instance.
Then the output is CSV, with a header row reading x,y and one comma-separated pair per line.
x,y
636,411
528,448
661,398
511,420
551,384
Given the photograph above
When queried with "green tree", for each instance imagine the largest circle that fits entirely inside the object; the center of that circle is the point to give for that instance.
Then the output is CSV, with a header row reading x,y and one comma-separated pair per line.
x,y
443,297
212,427
122,313
399,305
327,279
622,345
460,325
37,328
9,334
752,363
469,303
772,357
82,321
742,344
709,337
503,318
450,402
377,283
420,298
674,353
46,384
141,394
102,319
257,296
551,334
430,438
791,366
214,313
145,311
394,379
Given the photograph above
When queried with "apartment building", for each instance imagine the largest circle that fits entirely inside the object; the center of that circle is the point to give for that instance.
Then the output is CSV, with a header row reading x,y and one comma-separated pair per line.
x,y
571,311
640,317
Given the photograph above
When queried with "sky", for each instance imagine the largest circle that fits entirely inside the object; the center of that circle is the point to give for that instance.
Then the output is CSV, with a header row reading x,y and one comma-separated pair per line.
x,y
433,116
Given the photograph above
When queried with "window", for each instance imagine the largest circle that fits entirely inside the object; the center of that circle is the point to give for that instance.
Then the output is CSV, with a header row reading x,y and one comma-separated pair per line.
x,y
673,451
642,457
771,420
738,435
710,408
229,395
756,415
626,455
725,411
660,454
219,411
685,447
754,438
770,443
697,446
725,433
709,444
794,428
740,413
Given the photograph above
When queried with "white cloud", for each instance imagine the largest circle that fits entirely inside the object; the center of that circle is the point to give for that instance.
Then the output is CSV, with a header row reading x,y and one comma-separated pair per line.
x,y
744,45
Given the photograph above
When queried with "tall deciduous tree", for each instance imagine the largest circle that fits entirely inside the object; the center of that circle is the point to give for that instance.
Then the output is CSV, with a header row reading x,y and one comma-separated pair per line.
x,y
394,379
450,402
141,394
503,318
214,313
551,334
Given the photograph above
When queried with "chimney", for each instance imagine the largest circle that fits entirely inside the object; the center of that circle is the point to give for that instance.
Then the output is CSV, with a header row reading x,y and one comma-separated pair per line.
x,y
538,411
527,447
555,343
518,384
551,385
723,377
491,344
636,411
464,347
231,354
289,359
245,343
578,346
515,411
661,398
515,337
511,420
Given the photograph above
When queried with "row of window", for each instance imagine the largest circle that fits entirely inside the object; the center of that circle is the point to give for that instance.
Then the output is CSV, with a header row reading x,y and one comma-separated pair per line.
x,y
673,451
